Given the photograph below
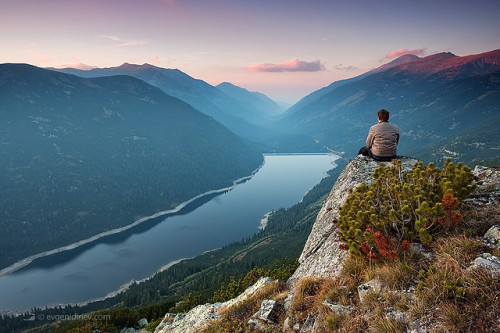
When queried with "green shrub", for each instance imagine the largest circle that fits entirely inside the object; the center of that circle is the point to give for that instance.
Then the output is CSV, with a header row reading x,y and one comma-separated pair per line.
x,y
380,220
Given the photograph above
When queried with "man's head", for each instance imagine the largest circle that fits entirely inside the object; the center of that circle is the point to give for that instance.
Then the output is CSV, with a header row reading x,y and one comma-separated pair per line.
x,y
383,115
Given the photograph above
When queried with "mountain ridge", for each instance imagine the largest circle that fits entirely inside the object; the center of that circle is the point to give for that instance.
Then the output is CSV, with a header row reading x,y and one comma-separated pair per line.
x,y
72,144
339,119
245,120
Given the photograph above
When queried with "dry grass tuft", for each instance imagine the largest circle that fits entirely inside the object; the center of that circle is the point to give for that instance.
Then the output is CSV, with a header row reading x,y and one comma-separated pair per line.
x,y
353,268
382,324
475,222
351,323
451,317
396,274
305,295
467,298
456,252
339,290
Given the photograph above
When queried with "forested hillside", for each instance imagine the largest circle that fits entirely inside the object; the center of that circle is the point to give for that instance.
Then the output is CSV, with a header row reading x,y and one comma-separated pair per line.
x,y
82,156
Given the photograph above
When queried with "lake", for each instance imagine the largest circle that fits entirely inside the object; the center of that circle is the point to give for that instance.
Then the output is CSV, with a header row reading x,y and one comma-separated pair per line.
x,y
99,268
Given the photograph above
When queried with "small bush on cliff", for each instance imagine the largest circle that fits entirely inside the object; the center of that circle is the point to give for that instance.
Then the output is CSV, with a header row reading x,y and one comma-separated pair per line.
x,y
381,219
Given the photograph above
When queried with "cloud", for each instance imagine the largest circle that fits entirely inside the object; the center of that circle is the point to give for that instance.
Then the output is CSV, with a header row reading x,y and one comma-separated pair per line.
x,y
292,65
123,42
345,68
79,65
401,52
156,60
37,56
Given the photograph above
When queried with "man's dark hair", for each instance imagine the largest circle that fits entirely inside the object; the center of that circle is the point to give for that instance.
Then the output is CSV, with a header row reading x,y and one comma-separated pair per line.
x,y
383,115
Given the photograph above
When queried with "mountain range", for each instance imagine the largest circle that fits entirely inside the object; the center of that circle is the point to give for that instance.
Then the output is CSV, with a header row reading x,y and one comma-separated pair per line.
x,y
437,101
245,113
79,156
459,94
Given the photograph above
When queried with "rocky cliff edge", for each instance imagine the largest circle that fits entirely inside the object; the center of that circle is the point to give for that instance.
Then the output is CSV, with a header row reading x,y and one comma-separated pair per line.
x,y
321,256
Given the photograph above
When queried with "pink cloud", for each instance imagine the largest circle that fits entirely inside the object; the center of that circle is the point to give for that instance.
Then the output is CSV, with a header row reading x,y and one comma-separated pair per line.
x,y
38,57
401,52
292,65
156,60
79,65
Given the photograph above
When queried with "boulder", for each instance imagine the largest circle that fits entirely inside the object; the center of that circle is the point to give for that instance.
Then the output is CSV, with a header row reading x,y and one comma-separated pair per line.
x,y
249,292
493,235
336,308
489,262
143,322
370,287
268,311
194,319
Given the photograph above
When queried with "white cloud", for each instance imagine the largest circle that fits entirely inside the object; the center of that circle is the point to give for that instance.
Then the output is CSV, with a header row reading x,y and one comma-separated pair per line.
x,y
123,42
340,67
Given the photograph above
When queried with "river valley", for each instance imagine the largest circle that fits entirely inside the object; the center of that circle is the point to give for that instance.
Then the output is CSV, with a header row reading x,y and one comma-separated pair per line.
x,y
102,267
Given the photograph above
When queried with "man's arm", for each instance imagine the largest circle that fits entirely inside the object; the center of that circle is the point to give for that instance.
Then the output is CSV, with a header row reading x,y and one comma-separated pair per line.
x,y
369,139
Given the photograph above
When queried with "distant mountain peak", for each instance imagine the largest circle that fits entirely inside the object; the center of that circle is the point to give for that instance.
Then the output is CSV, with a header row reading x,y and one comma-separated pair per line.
x,y
225,83
136,67
404,59
451,64
229,85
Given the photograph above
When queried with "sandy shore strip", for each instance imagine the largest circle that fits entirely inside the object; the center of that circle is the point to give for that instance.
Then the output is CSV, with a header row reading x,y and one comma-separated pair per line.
x,y
26,261
263,222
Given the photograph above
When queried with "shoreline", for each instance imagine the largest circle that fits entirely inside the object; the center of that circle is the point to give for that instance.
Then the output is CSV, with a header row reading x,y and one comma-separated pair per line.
x,y
28,260
123,287
263,222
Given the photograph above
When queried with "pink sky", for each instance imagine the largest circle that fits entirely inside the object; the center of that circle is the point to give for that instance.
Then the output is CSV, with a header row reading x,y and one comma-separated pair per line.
x,y
284,48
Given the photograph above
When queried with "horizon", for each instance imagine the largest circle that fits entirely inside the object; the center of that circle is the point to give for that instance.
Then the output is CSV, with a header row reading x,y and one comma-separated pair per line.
x,y
285,49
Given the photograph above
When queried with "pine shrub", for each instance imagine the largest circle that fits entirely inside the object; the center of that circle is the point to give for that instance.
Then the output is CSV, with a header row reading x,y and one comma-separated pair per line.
x,y
380,220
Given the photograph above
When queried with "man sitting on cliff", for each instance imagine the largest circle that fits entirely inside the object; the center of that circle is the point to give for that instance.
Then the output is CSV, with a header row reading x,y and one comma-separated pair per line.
x,y
382,140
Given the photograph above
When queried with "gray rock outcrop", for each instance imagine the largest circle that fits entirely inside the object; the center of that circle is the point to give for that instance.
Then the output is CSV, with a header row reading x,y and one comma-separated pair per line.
x,y
322,256
489,262
492,236
488,187
203,314
372,286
